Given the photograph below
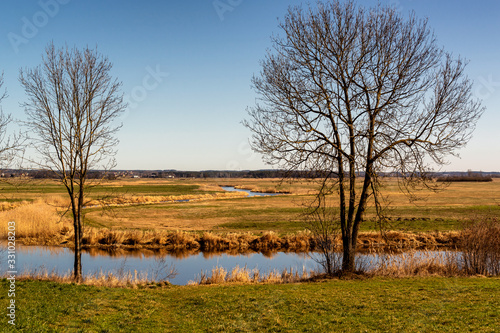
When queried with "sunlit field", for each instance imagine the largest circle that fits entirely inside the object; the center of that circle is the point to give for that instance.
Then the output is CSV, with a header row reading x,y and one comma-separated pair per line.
x,y
152,204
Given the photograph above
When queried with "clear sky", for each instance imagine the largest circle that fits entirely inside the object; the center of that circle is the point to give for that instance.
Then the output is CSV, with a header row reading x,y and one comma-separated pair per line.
x,y
186,69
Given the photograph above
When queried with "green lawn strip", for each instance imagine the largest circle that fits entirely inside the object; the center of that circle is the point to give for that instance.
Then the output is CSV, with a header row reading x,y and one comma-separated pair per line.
x,y
149,189
280,227
108,190
379,305
12,200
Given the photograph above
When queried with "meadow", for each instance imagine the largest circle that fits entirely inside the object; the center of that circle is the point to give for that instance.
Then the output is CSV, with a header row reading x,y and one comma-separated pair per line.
x,y
150,211
418,295
432,304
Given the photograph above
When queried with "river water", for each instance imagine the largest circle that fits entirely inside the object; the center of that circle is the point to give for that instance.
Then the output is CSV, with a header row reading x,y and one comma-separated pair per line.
x,y
250,193
188,266
156,265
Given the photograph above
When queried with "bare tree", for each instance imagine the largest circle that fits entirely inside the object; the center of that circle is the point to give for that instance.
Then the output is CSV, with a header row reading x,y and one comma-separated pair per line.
x,y
352,92
72,106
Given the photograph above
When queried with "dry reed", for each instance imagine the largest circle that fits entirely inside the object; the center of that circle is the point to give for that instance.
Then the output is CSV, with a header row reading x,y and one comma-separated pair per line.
x,y
100,279
413,263
244,275
480,243
36,220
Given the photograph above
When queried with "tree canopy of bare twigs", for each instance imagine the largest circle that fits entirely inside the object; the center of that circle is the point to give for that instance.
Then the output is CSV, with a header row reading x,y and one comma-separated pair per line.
x,y
352,92
72,106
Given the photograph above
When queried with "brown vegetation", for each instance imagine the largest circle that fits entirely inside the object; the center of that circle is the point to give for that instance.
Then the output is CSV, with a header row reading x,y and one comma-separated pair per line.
x,y
37,223
119,279
42,223
480,243
219,275
155,199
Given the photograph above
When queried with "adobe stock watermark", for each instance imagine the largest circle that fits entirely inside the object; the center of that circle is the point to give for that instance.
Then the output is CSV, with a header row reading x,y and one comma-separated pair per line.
x,y
11,272
223,6
485,87
152,80
246,152
32,25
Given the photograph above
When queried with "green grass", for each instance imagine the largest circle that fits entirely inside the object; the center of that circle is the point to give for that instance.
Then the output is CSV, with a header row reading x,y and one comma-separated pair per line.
x,y
54,187
375,305
14,200
280,227
149,189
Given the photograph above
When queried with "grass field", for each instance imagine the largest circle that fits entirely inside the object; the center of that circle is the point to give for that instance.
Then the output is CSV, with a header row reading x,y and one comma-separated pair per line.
x,y
441,211
374,305
380,304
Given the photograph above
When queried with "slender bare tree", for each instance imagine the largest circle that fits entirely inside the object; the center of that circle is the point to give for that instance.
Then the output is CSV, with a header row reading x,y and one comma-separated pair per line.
x,y
351,92
72,106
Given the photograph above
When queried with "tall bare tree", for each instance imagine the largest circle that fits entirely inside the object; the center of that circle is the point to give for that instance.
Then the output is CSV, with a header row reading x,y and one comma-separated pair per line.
x,y
72,106
350,92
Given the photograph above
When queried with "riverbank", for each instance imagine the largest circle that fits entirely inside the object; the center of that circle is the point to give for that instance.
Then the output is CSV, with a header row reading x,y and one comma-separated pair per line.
x,y
432,304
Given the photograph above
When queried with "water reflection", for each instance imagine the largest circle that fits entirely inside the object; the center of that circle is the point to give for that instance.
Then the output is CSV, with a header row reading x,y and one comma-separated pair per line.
x,y
188,264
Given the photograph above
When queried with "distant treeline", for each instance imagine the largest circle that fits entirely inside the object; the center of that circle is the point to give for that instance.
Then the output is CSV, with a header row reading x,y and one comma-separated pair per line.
x,y
114,174
465,178
227,174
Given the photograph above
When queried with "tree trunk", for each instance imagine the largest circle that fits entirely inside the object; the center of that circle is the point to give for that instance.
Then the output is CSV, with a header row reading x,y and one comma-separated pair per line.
x,y
348,260
78,248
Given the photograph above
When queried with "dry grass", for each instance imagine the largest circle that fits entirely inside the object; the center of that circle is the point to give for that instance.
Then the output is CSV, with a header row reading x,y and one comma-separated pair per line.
x,y
41,223
422,263
271,213
480,243
35,221
118,279
243,275
408,240
401,265
130,200
4,206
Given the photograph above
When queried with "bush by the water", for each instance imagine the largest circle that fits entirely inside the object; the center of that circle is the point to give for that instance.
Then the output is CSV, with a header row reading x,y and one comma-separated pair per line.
x,y
480,243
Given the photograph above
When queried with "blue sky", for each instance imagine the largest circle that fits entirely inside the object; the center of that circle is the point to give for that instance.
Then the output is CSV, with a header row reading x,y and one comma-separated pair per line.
x,y
186,69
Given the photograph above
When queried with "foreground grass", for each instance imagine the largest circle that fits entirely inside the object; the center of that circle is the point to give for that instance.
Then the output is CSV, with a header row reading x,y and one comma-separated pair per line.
x,y
386,305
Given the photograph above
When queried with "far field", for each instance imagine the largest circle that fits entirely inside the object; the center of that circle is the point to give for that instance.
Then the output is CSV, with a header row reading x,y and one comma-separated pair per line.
x,y
210,210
